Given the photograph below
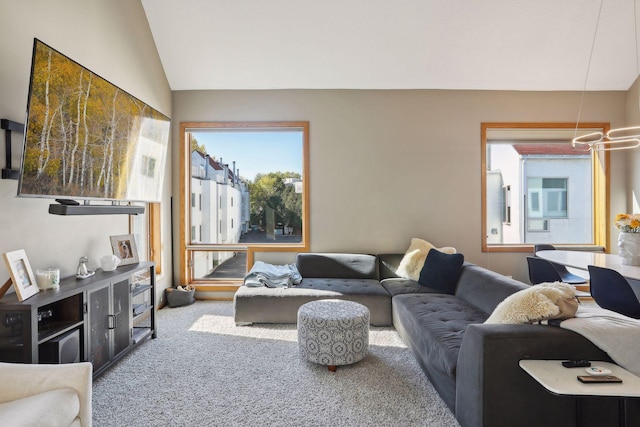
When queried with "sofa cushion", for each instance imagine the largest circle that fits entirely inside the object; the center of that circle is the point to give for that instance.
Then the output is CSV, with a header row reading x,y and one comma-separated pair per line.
x,y
398,285
57,407
441,271
485,289
344,286
340,266
388,265
413,259
435,325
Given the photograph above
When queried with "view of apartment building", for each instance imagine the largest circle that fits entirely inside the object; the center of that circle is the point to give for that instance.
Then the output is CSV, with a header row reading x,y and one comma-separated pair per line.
x,y
219,209
538,192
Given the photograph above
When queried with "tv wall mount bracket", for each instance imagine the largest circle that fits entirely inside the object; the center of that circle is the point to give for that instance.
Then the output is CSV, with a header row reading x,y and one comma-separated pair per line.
x,y
10,126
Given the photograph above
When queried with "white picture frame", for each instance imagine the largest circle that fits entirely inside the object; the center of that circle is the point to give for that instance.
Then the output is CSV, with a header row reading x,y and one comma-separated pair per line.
x,y
124,247
21,273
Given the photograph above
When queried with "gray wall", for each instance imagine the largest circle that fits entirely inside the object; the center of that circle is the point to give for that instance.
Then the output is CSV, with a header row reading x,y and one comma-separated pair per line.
x,y
111,38
386,166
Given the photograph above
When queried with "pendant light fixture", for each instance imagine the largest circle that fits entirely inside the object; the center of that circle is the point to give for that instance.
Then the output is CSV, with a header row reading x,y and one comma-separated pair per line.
x,y
615,139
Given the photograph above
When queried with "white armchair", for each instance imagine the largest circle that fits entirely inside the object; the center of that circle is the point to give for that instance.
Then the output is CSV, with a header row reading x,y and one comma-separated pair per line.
x,y
45,395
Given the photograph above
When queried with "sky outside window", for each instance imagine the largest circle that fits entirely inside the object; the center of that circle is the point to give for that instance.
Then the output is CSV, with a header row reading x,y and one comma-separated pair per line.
x,y
254,151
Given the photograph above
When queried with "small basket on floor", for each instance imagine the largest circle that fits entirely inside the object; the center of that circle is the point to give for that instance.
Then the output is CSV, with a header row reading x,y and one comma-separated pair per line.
x,y
179,298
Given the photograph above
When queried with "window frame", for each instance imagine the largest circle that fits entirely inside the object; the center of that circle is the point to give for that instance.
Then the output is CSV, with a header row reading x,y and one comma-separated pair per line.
x,y
149,237
155,235
187,248
600,165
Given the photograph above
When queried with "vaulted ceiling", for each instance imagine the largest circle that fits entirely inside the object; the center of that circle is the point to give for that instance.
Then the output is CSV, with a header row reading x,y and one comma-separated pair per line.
x,y
538,45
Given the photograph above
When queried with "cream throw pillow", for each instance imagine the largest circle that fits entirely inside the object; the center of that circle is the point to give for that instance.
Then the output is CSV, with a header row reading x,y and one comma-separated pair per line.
x,y
539,302
414,257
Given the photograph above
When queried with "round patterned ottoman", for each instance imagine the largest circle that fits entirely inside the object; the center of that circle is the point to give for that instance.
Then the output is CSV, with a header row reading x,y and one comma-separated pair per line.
x,y
333,332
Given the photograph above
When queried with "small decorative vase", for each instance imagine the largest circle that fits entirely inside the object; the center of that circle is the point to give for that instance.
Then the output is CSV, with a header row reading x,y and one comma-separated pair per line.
x,y
629,248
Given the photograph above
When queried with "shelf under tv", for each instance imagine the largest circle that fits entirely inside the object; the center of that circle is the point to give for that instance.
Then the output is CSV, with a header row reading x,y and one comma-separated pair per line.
x,y
80,209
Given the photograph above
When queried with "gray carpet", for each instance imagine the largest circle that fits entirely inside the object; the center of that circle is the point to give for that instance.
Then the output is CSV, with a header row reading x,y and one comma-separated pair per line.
x,y
202,370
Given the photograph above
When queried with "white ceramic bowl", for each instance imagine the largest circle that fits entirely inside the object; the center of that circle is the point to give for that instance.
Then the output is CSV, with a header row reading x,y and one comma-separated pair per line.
x,y
109,262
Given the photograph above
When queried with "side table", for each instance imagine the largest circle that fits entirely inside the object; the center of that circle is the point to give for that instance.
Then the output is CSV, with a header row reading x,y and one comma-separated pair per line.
x,y
563,381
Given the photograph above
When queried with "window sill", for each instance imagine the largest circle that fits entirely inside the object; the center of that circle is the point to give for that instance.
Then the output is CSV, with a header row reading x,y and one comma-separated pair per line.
x,y
217,287
529,248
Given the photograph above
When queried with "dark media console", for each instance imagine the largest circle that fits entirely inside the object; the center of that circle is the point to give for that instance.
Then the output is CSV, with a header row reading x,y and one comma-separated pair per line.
x,y
99,319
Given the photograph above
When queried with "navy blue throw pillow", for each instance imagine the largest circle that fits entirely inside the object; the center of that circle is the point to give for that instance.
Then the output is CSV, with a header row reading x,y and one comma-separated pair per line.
x,y
441,271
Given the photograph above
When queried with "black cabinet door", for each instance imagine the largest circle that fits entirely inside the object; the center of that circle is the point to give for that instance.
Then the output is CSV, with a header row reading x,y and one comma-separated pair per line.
x,y
100,322
122,314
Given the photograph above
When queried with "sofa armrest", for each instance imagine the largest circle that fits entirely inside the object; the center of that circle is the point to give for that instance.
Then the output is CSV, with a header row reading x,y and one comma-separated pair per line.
x,y
492,389
21,380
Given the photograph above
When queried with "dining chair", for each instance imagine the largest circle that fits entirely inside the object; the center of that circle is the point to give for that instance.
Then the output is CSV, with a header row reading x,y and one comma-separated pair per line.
x,y
565,275
541,270
610,290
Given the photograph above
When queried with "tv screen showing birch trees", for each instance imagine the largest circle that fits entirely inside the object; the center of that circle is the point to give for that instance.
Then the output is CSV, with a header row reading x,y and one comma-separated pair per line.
x,y
85,138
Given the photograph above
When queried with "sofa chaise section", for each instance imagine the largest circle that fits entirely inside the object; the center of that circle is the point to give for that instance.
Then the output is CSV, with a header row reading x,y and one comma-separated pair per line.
x,y
351,277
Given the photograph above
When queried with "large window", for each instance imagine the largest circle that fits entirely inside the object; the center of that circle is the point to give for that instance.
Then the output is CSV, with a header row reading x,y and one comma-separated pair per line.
x,y
245,190
538,189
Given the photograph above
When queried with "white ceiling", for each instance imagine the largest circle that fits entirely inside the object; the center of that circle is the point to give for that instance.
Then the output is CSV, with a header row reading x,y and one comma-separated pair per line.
x,y
402,44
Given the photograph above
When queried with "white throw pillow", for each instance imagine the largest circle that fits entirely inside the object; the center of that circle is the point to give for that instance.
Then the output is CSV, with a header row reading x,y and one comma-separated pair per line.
x,y
539,302
414,258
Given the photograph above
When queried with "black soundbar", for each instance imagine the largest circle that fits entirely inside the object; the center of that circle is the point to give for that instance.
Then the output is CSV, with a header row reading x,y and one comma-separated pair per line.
x,y
60,209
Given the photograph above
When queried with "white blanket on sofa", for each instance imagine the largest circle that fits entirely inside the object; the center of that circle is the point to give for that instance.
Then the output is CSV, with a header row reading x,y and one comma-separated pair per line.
x,y
272,276
614,333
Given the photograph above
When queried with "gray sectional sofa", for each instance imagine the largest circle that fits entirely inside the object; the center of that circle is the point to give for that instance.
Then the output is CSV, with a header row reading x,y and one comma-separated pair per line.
x,y
473,366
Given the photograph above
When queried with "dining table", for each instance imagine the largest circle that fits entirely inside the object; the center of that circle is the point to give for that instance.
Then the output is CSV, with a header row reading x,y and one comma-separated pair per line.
x,y
582,259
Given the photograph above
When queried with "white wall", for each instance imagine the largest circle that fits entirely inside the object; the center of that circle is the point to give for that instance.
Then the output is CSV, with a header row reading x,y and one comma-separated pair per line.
x,y
509,162
386,166
111,38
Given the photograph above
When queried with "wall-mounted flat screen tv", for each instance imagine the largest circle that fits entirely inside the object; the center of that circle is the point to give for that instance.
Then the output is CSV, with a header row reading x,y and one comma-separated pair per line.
x,y
87,139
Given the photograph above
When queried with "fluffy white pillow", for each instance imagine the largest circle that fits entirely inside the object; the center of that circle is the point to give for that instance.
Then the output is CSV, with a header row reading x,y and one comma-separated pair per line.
x,y
539,302
414,257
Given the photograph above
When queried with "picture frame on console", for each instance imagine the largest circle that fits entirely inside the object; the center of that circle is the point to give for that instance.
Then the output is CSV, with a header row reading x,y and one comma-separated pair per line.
x,y
21,273
124,247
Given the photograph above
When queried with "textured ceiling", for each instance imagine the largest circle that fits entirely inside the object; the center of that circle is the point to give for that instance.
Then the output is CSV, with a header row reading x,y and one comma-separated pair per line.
x,y
534,45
